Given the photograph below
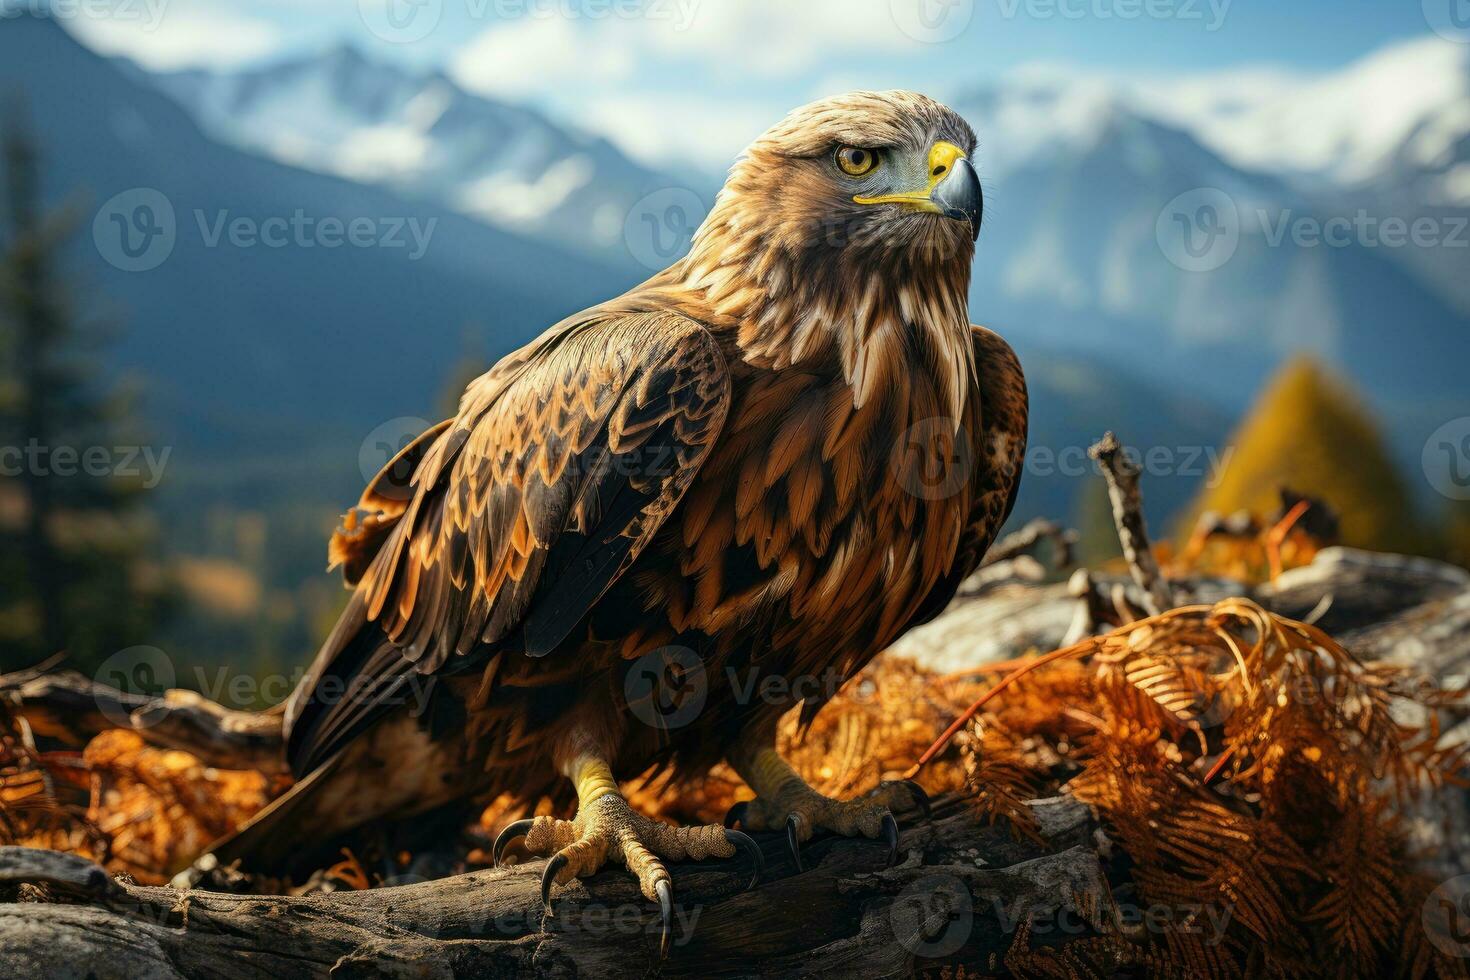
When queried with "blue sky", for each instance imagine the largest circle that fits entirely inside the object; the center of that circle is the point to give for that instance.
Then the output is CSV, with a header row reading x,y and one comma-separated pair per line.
x,y
715,72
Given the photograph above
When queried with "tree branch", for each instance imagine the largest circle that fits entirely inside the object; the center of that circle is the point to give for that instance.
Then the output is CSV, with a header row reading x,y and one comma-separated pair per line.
x,y
1122,477
939,906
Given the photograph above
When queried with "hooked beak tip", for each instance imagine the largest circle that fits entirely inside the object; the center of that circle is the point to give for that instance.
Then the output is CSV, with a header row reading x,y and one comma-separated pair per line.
x,y
958,196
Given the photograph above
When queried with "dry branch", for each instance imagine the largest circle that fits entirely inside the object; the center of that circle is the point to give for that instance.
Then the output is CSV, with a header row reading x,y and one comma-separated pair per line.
x,y
845,915
1122,477
74,709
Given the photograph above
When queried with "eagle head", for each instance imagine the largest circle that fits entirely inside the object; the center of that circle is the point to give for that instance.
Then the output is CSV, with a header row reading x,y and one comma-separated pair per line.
x,y
881,173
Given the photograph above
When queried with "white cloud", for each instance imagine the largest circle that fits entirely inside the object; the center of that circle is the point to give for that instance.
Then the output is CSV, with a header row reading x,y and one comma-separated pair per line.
x,y
661,129
778,37
540,55
178,37
527,56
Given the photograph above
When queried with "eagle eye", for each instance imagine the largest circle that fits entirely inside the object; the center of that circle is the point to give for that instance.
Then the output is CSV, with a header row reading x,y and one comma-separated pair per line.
x,y
856,161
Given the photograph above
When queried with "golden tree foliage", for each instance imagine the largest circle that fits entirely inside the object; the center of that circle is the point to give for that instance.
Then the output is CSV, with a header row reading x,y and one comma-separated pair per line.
x,y
1308,432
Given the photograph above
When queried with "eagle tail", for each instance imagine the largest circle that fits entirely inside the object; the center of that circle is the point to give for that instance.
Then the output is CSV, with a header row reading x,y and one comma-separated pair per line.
x,y
292,833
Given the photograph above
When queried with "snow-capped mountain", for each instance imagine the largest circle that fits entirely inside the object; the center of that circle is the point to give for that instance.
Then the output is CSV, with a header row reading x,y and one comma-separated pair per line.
x,y
1086,184
422,135
1396,121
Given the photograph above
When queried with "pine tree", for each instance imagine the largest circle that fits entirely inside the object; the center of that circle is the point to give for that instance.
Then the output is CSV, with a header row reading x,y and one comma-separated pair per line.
x,y
1308,432
73,577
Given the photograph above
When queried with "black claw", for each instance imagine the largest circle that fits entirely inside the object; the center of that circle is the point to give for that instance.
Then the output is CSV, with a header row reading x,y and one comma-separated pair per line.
x,y
921,798
793,841
557,862
518,829
736,814
666,909
890,834
745,843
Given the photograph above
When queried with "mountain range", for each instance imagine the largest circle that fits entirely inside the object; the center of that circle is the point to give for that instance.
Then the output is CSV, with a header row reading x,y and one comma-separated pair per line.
x,y
420,134
1081,172
263,363
279,357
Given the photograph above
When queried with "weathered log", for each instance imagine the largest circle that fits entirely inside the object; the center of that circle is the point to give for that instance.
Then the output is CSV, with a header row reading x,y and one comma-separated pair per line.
x,y
66,705
220,736
956,897
72,708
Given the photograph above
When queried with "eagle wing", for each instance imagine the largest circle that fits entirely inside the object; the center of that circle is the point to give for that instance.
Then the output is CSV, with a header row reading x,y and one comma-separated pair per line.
x,y
997,457
520,513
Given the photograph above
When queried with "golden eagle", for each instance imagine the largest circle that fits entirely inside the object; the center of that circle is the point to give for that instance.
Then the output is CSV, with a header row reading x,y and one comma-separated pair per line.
x,y
767,461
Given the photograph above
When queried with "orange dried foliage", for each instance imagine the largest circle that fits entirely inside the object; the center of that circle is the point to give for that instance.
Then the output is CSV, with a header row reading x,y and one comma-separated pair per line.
x,y
872,730
133,807
1301,838
1303,841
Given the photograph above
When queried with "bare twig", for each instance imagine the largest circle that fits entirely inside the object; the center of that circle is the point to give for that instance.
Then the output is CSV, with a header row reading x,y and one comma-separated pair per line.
x,y
1027,538
1122,477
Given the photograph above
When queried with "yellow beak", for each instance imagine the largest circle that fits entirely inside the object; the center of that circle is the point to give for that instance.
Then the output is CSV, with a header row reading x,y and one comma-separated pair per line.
x,y
952,188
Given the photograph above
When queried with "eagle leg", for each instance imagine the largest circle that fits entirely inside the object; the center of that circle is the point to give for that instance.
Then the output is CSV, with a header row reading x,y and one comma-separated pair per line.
x,y
607,828
784,800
